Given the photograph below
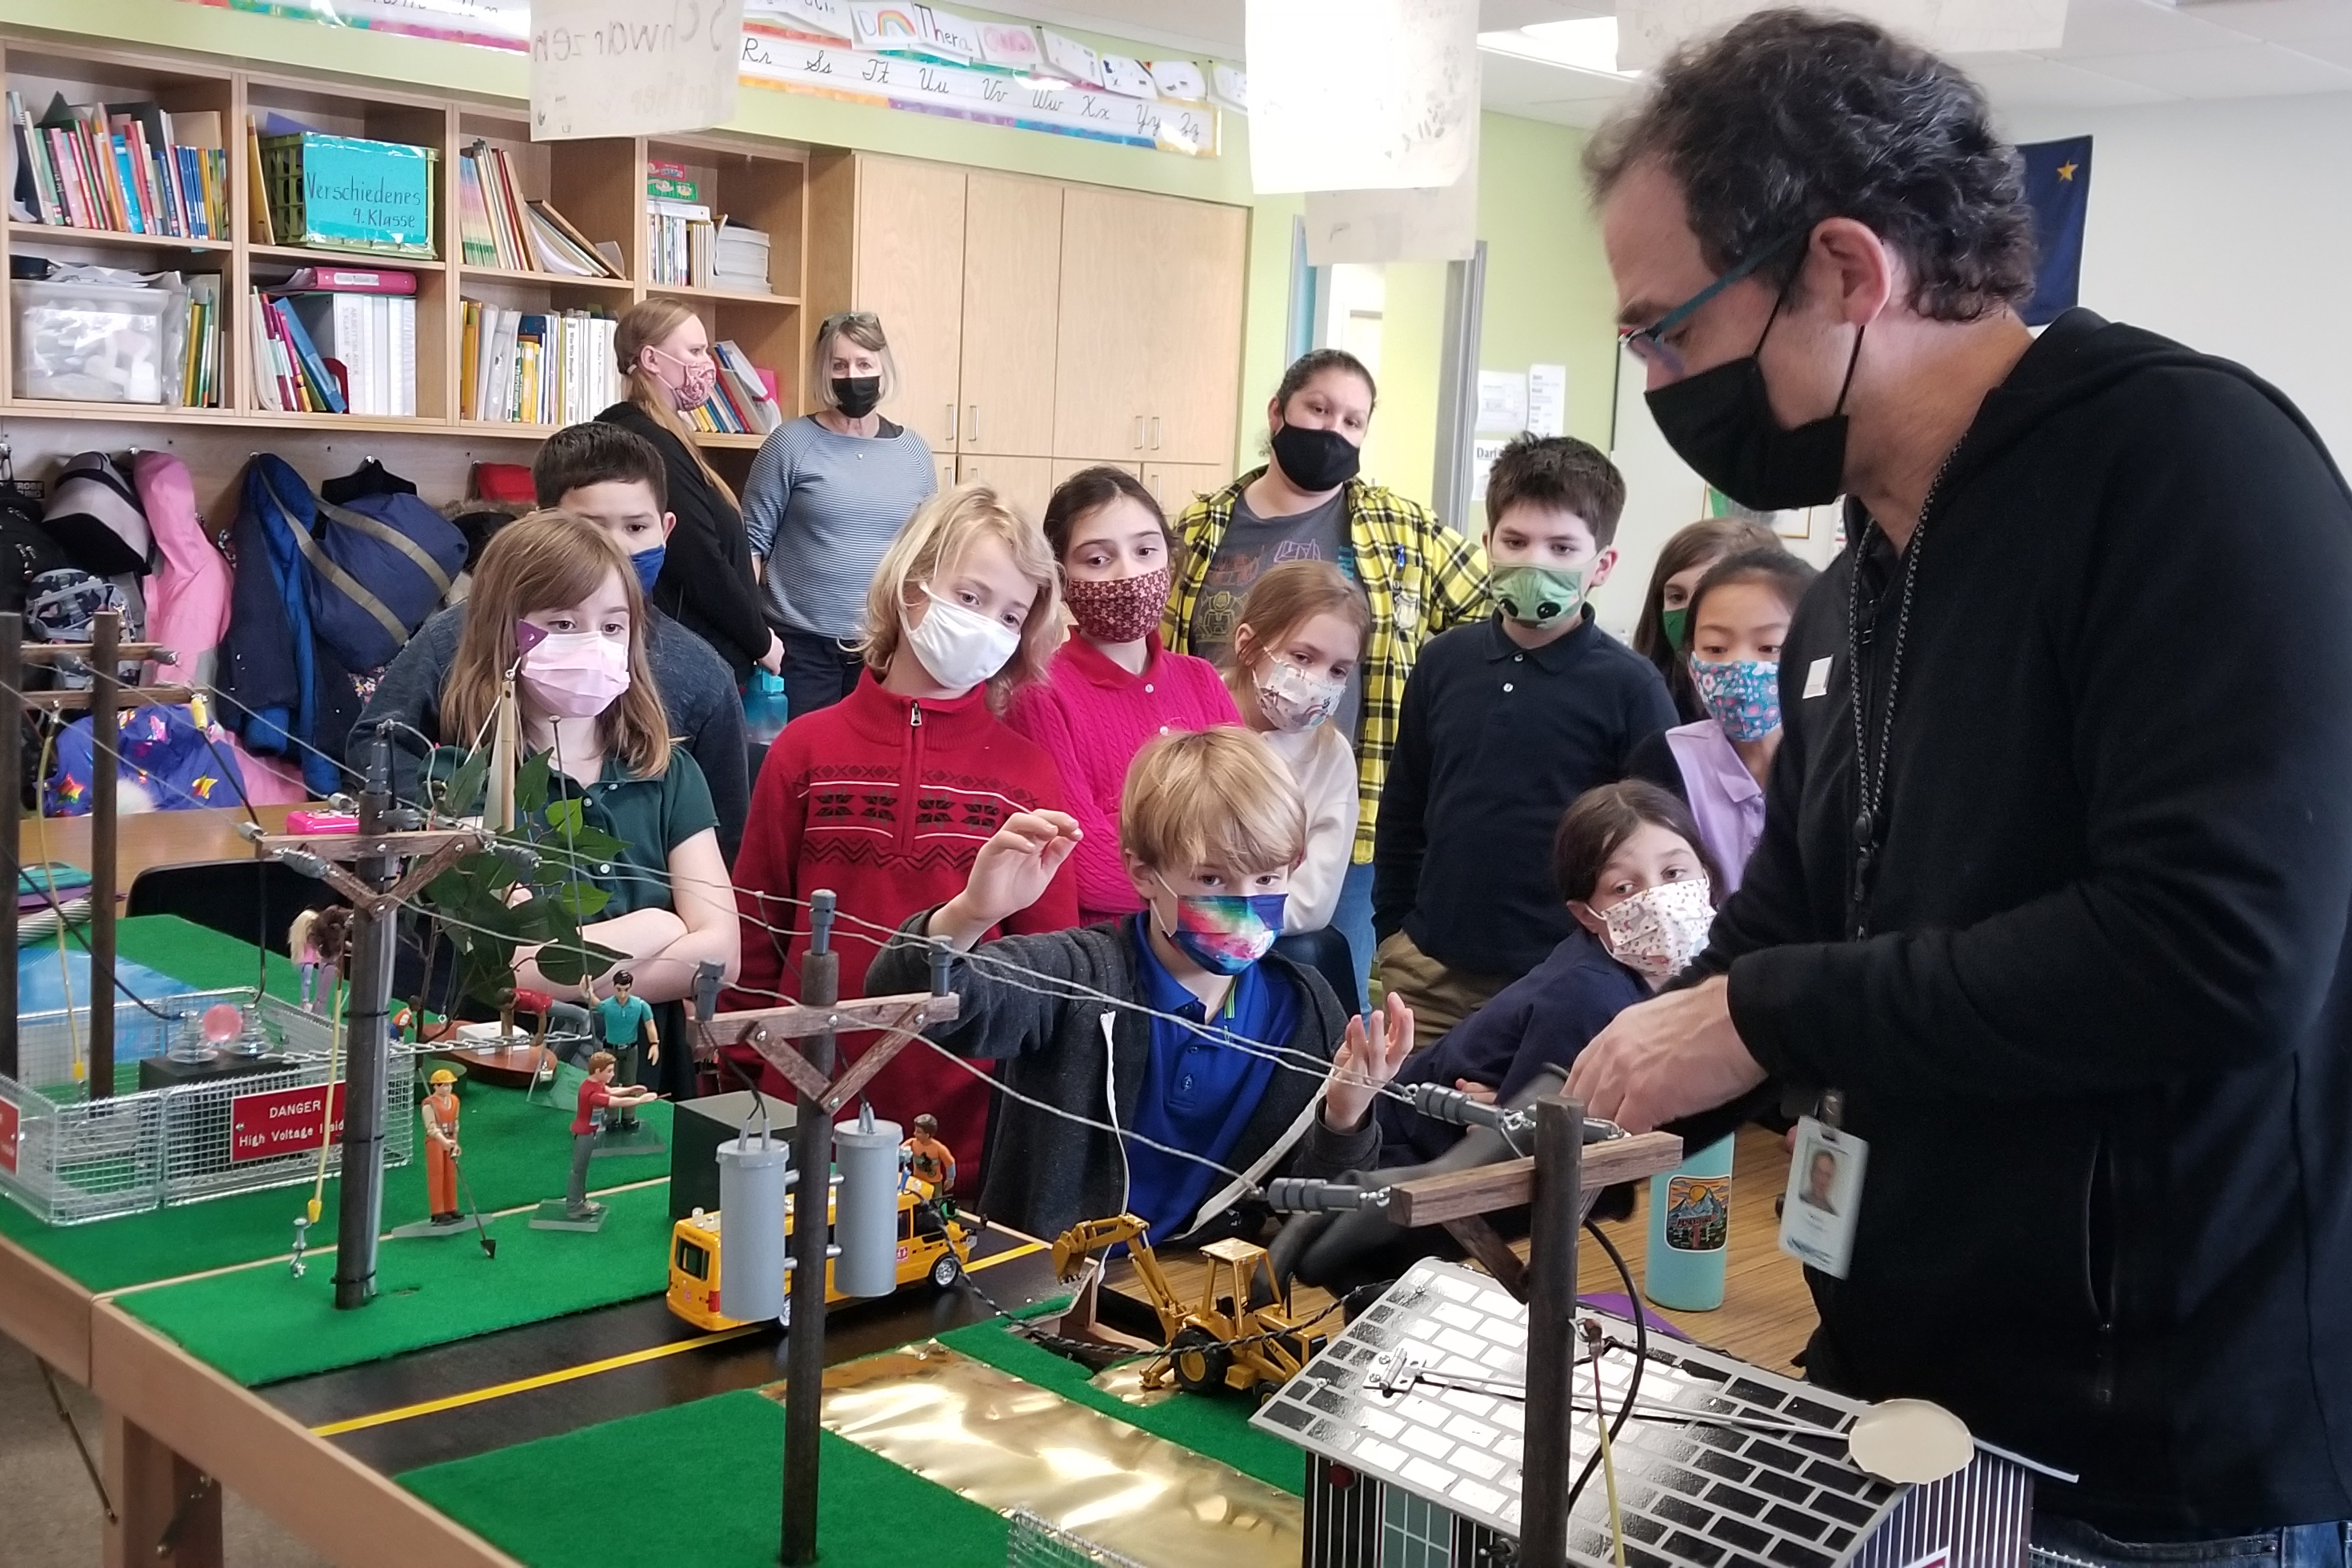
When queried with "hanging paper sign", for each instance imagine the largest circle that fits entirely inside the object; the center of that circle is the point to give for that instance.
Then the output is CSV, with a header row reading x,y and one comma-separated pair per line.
x,y
1179,80
620,67
989,97
1009,47
826,18
1070,59
280,1122
11,1121
1374,227
886,26
1128,77
954,35
1361,95
1229,88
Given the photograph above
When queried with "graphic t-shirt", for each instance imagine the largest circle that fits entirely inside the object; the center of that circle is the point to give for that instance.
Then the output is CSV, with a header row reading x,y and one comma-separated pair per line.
x,y
1253,545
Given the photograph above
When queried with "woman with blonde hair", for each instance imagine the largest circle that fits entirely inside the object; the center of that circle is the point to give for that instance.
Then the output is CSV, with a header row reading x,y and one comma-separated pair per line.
x,y
885,796
555,601
828,493
663,352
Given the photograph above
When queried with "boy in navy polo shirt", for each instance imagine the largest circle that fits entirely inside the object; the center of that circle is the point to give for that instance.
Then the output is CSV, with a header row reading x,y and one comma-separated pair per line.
x,y
1504,725
1235,1056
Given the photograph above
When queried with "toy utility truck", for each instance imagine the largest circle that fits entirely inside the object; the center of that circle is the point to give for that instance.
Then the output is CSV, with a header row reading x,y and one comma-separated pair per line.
x,y
932,1244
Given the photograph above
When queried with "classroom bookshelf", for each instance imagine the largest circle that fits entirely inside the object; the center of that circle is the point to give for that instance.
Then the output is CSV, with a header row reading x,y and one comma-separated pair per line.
x,y
598,186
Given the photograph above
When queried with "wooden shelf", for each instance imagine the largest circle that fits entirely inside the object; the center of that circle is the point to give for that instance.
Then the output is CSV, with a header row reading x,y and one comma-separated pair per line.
x,y
552,279
59,234
305,256
501,429
721,296
728,440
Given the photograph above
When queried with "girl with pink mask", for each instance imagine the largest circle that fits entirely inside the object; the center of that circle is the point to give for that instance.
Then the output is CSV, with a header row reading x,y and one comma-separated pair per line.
x,y
1111,687
555,602
663,352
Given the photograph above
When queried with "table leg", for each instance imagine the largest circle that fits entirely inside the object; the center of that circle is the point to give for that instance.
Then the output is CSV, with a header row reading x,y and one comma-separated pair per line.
x,y
166,1510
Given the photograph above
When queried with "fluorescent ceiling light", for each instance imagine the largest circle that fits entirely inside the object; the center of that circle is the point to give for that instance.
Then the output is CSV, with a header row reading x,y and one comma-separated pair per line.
x,y
1587,43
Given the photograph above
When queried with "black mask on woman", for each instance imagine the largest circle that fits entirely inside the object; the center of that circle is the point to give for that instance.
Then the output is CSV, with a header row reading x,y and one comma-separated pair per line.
x,y
1316,459
1720,422
857,395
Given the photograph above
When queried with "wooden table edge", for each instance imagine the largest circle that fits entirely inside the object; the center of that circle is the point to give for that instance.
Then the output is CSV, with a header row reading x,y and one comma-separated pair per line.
x,y
46,1310
356,1516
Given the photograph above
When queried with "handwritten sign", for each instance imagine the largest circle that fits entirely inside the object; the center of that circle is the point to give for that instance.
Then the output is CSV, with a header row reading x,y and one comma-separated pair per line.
x,y
10,1120
366,193
631,68
990,98
1361,95
278,1122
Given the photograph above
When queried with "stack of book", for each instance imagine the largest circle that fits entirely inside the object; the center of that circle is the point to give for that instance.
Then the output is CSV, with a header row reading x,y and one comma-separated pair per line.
x,y
679,235
128,167
521,367
498,227
740,259
742,400
200,368
337,340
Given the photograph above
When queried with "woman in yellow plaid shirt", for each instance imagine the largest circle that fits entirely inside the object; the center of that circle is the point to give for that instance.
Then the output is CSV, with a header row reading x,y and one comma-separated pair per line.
x,y
1307,503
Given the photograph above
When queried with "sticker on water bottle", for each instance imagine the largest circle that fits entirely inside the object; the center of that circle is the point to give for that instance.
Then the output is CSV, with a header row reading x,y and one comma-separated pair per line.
x,y
1824,1196
1698,1213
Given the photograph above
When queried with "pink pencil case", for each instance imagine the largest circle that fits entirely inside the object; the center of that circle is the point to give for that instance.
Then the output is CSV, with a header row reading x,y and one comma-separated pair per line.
x,y
320,823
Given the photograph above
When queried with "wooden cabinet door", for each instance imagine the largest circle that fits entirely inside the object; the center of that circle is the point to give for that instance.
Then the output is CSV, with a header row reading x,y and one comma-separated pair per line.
x,y
1012,314
1026,482
910,219
1110,324
1173,485
1201,265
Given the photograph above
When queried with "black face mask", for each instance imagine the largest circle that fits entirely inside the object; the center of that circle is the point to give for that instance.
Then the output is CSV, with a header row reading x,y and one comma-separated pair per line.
x,y
1316,459
1720,422
857,395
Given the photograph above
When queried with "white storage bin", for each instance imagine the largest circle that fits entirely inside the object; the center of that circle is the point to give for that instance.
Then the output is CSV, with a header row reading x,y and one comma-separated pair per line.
x,y
96,342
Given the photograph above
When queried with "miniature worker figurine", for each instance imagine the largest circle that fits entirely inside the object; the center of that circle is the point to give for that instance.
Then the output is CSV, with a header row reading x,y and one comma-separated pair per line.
x,y
441,1147
305,952
596,1093
927,1158
624,1021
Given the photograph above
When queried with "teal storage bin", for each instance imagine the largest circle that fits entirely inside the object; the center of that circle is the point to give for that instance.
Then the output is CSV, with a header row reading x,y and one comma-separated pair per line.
x,y
1690,1231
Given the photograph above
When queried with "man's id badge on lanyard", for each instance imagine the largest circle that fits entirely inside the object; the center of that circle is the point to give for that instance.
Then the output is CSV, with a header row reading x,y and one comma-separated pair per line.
x,y
1824,1196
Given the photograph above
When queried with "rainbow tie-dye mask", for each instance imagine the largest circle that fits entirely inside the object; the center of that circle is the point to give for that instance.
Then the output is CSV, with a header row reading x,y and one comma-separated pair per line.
x,y
1224,933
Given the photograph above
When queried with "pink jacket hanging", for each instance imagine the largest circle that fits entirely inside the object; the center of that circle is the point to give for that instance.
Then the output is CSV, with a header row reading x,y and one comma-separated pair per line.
x,y
187,597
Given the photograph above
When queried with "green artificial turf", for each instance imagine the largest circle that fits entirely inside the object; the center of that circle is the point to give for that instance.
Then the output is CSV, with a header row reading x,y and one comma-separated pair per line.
x,y
515,1153
261,1325
1216,1425
702,1483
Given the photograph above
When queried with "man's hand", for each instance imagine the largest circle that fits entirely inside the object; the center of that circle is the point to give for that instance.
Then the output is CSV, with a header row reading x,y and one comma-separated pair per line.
x,y
1366,1060
1665,1060
1010,873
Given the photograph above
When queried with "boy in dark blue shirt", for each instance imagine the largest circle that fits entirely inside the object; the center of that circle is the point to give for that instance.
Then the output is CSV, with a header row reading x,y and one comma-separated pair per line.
x,y
1505,723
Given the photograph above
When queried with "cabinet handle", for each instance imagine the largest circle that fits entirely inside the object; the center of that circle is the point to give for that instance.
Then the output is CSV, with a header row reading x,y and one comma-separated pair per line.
x,y
1139,432
1155,432
952,435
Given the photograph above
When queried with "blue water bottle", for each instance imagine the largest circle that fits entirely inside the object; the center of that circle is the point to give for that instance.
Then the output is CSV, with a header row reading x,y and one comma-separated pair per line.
x,y
1690,1231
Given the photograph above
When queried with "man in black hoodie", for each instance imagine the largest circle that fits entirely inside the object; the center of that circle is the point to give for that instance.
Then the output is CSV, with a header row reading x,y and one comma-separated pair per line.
x,y
2061,911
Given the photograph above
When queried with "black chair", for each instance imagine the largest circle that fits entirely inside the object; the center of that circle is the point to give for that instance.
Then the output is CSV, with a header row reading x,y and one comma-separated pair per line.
x,y
1327,953
249,900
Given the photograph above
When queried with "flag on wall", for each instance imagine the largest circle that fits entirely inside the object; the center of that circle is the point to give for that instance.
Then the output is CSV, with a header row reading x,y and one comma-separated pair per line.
x,y
2058,183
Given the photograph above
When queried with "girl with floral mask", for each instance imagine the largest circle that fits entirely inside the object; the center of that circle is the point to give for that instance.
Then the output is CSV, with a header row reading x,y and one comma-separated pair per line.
x,y
1111,686
556,604
1641,884
1739,616
1296,639
885,796
1226,1050
662,352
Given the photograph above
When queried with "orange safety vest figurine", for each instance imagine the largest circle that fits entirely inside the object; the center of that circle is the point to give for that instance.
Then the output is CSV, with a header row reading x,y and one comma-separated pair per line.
x,y
928,1159
441,1147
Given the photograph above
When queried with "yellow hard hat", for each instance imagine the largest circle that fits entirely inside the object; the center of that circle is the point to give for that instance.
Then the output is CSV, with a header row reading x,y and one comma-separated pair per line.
x,y
442,1077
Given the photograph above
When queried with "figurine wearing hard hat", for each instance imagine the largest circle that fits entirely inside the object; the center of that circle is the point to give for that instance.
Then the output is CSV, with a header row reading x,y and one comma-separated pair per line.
x,y
441,1147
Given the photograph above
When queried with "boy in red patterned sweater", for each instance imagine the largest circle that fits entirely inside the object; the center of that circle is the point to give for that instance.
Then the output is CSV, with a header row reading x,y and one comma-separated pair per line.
x,y
885,797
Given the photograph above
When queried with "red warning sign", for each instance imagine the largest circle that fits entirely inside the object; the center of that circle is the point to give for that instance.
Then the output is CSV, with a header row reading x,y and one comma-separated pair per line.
x,y
10,1121
278,1122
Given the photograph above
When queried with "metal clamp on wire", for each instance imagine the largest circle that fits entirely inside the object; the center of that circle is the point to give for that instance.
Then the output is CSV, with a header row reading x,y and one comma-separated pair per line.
x,y
523,861
1304,1194
1440,1103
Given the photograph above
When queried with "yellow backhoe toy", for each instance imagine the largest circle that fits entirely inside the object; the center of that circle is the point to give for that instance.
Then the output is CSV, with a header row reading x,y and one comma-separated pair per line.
x,y
1241,1335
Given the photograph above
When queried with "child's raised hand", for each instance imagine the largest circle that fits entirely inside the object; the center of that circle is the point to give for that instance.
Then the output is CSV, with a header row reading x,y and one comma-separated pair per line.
x,y
1367,1059
1010,873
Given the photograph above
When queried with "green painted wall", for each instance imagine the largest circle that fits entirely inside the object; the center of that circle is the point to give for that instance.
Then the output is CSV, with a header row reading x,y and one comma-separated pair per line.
x,y
1549,297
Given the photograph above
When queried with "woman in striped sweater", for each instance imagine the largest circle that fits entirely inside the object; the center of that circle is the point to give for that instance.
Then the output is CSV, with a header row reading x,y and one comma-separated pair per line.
x,y
828,493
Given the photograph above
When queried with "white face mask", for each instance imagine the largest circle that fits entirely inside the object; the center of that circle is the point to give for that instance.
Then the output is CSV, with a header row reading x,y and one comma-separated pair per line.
x,y
1658,930
1291,698
961,647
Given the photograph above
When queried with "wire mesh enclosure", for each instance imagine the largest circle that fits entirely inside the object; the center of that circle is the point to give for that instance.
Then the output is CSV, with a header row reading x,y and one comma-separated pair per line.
x,y
190,1119
1033,1542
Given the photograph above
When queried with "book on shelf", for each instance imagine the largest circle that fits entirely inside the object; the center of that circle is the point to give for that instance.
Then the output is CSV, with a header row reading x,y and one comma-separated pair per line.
x,y
200,366
530,367
350,279
498,226
261,231
372,336
680,240
131,168
749,391
740,259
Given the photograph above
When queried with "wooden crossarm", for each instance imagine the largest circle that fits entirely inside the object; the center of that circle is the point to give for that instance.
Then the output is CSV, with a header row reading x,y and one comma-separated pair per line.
x,y
798,1021
369,846
1483,1189
877,1056
126,697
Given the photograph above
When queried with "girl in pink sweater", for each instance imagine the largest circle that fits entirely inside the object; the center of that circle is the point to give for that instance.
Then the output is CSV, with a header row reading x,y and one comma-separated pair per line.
x,y
1112,687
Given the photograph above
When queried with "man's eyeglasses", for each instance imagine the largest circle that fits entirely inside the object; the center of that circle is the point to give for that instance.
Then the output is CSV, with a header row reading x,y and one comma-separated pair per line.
x,y
1648,344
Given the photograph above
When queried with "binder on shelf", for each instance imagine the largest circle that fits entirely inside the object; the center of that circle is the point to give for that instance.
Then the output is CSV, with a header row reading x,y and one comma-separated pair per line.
x,y
350,279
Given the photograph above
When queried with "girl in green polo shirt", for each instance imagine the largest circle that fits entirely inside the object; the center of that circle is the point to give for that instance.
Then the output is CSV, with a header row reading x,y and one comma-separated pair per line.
x,y
558,595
